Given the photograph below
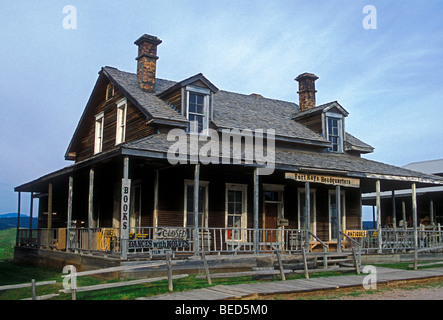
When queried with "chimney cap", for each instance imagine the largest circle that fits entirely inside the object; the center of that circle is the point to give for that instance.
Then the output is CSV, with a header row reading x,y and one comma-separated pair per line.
x,y
306,75
147,38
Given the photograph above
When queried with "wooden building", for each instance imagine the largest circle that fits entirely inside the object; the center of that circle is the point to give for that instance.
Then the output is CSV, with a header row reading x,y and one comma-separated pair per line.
x,y
124,196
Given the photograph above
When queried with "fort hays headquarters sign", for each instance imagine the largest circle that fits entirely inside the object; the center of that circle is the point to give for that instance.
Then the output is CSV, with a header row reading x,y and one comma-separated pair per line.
x,y
317,178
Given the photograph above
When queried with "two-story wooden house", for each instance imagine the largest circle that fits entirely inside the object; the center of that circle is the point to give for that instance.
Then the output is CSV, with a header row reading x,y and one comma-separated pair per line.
x,y
134,190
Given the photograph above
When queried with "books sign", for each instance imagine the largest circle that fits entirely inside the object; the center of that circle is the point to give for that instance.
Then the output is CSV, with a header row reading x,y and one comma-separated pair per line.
x,y
317,178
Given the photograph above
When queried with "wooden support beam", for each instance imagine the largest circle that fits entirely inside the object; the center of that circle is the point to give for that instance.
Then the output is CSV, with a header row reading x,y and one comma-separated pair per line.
x,y
90,207
18,217
339,226
403,211
431,212
256,204
414,218
155,218
196,200
49,224
69,222
124,210
307,213
378,204
394,213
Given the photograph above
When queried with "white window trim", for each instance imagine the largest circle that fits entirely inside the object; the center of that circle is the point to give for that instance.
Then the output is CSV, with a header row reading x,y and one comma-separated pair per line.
x,y
332,193
340,129
98,138
205,213
122,108
313,193
206,106
244,217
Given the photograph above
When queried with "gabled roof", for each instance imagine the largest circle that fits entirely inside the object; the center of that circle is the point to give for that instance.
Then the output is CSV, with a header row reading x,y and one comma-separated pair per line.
x,y
190,80
431,166
321,109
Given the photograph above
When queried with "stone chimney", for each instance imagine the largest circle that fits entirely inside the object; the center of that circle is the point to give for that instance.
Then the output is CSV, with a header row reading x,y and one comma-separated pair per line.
x,y
147,61
306,91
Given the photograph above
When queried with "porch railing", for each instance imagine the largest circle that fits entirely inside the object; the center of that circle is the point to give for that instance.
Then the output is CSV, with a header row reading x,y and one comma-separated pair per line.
x,y
155,240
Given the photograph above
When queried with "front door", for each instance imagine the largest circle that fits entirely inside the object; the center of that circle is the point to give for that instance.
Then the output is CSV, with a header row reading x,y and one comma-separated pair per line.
x,y
271,219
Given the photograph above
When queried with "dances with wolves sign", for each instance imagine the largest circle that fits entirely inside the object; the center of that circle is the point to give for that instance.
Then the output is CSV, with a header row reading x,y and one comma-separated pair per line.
x,y
167,238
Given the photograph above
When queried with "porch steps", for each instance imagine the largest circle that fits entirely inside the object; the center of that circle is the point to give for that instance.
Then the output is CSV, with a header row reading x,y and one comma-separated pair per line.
x,y
335,259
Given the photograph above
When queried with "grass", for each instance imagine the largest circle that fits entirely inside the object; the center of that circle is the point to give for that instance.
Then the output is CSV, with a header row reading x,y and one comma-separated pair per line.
x,y
7,242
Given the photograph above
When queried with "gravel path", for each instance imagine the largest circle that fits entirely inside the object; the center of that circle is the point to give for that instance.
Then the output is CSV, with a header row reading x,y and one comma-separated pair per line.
x,y
401,294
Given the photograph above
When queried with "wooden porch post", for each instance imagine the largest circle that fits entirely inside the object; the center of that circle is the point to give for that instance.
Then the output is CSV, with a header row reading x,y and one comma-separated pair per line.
x,y
414,218
339,228
69,220
378,204
307,214
431,212
49,225
90,206
31,213
196,194
403,211
125,202
155,218
256,203
394,213
18,217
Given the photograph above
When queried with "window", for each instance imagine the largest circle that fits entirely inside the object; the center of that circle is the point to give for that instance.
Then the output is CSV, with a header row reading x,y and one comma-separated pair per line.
x,y
109,92
333,230
197,112
202,204
99,123
121,121
235,219
302,210
334,133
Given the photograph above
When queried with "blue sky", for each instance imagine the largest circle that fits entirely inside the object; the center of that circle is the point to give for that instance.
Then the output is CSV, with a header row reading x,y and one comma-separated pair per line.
x,y
390,78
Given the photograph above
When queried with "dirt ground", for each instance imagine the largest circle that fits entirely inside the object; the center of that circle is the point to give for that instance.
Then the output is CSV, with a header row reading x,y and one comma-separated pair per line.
x,y
429,289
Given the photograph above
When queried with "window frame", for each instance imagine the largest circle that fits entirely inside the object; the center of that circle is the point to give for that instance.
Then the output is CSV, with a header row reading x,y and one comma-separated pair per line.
x,y
340,131
244,214
108,88
98,136
122,109
313,197
205,93
202,184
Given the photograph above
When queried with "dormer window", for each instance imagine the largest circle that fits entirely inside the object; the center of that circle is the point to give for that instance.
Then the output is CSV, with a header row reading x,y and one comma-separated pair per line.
x,y
122,107
334,130
197,109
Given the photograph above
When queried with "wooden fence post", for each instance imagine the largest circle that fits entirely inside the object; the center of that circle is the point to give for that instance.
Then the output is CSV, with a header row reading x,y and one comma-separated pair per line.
x,y
168,265
305,263
205,262
280,264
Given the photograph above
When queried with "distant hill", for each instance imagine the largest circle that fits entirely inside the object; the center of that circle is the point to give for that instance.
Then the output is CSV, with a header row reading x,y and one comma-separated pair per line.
x,y
9,220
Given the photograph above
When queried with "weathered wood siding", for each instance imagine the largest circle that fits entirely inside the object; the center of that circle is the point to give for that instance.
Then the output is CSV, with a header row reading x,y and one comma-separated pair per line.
x,y
136,126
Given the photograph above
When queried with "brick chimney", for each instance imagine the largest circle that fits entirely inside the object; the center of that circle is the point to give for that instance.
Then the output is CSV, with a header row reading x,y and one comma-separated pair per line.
x,y
147,61
306,91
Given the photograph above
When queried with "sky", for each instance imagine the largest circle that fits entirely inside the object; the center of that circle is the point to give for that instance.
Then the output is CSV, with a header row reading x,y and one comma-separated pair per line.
x,y
382,63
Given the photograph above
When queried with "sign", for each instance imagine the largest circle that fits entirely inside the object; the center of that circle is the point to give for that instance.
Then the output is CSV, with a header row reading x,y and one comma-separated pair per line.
x,y
125,207
159,244
317,178
283,223
171,233
356,233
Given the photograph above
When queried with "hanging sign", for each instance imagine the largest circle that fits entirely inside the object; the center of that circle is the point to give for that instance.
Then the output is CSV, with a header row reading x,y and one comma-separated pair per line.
x,y
126,196
355,233
317,178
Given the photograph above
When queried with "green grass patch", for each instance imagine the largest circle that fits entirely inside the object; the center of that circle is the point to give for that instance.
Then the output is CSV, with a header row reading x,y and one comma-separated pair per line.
x,y
7,242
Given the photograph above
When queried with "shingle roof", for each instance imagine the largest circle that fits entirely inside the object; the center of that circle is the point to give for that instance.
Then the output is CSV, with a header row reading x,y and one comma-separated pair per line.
x,y
285,157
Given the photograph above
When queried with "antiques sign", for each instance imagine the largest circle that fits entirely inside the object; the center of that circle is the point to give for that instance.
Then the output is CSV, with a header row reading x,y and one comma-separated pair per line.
x,y
356,233
317,178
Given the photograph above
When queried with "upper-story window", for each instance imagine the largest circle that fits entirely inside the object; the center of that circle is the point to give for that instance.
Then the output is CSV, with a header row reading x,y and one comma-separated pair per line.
x,y
197,109
334,131
99,124
109,92
122,107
